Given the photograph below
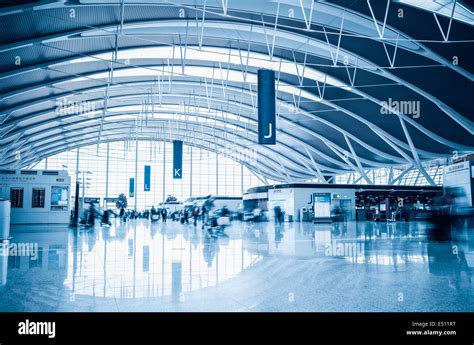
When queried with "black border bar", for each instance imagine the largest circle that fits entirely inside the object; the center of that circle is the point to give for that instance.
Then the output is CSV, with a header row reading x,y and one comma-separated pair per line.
x,y
241,328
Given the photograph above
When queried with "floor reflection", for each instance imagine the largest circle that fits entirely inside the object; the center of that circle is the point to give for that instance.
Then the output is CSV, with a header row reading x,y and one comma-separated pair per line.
x,y
171,263
136,260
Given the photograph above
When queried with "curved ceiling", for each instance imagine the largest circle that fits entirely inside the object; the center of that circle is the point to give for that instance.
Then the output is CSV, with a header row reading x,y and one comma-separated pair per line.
x,y
75,73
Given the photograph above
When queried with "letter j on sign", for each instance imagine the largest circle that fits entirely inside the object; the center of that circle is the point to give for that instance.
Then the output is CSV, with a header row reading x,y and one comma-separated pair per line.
x,y
266,107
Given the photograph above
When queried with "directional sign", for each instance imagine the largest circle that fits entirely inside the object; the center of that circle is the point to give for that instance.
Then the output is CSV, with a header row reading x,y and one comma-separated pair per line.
x,y
131,187
266,107
147,178
177,159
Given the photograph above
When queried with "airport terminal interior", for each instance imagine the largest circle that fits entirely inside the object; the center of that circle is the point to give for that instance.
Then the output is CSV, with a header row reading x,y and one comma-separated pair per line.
x,y
236,155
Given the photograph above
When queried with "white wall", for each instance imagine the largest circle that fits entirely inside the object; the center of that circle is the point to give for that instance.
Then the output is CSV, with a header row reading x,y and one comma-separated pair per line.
x,y
282,197
292,199
302,196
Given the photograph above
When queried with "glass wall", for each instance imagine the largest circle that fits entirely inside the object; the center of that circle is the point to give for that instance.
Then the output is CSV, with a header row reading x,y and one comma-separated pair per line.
x,y
381,176
204,172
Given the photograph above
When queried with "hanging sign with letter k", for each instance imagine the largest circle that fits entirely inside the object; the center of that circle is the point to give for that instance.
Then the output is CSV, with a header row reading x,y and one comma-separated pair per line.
x,y
177,159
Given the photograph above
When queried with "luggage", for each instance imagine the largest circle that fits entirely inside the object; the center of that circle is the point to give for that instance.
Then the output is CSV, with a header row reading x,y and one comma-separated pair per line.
x,y
223,221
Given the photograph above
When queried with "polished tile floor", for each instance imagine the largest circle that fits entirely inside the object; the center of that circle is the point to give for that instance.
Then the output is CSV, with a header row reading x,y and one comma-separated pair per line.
x,y
138,266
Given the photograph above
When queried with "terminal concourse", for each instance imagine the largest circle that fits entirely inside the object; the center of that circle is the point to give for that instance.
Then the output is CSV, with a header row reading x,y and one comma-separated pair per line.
x,y
236,156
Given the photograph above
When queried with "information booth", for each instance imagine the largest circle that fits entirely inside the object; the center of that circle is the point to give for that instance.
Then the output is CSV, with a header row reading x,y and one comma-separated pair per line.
x,y
36,196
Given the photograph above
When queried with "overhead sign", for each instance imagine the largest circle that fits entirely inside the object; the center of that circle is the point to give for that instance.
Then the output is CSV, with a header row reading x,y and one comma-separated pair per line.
x,y
177,159
457,167
147,178
266,107
131,187
91,200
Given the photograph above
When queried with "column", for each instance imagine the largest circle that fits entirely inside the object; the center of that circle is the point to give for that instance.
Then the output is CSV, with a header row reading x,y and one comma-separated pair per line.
x,y
136,173
164,170
217,174
190,171
106,176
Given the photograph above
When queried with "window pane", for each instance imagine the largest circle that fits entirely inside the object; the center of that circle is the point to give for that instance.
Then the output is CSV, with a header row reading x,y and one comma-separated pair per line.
x,y
38,198
203,172
16,197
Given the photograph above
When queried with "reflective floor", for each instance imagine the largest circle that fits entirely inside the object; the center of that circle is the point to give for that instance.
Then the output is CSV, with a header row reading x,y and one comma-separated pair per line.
x,y
138,266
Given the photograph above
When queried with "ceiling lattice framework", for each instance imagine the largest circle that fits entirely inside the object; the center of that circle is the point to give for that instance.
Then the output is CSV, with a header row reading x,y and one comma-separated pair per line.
x,y
76,73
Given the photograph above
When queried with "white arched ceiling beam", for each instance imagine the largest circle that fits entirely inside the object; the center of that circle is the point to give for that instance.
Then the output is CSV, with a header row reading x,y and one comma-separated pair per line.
x,y
354,90
308,14
312,47
66,119
121,131
166,69
379,27
242,107
185,126
124,128
119,137
48,133
371,125
245,107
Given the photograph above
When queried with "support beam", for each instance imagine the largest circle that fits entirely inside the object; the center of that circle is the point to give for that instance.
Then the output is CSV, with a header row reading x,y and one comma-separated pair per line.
x,y
415,153
349,163
316,166
356,158
403,173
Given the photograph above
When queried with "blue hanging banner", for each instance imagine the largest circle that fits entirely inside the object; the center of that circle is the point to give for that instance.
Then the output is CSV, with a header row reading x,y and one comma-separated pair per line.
x,y
266,107
147,178
177,159
131,187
